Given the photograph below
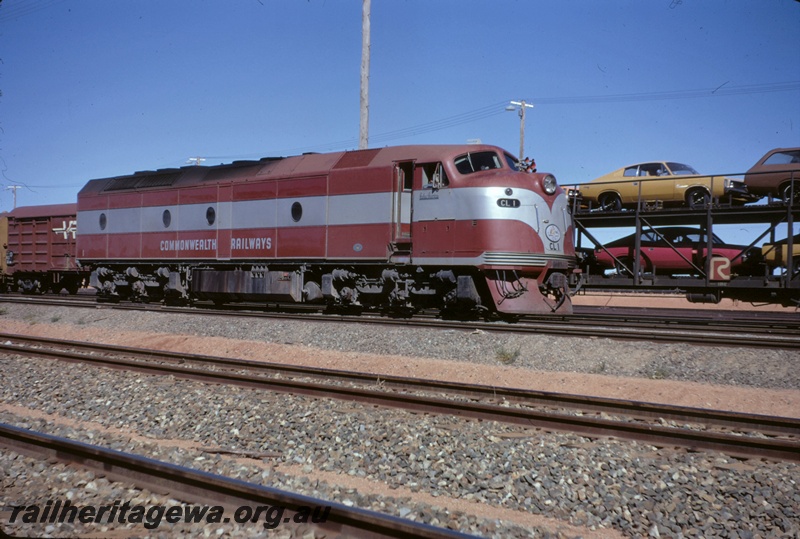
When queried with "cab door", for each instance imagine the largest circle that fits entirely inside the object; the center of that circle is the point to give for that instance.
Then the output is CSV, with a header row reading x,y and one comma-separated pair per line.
x,y
433,220
402,205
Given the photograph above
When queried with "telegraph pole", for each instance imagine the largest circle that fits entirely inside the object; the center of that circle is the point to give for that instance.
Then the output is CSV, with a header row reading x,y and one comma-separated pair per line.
x,y
363,138
14,188
522,106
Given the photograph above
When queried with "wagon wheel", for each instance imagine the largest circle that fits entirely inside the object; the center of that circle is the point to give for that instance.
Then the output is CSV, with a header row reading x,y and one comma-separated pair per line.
x,y
786,193
624,266
610,202
697,198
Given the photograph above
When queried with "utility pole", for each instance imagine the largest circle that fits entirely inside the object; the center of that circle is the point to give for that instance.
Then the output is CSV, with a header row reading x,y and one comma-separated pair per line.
x,y
363,138
14,188
522,106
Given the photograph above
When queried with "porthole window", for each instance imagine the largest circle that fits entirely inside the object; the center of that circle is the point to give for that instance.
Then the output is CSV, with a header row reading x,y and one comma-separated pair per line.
x,y
166,217
211,216
103,221
297,211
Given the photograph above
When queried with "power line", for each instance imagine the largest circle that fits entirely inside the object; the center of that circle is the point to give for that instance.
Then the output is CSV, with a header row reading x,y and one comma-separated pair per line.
x,y
498,108
20,9
719,91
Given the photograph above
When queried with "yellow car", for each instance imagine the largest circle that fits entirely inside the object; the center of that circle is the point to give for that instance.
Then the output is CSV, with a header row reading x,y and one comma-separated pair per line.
x,y
659,184
777,254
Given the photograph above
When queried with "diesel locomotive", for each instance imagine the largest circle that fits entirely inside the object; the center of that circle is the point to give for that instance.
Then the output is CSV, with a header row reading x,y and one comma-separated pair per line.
x,y
458,228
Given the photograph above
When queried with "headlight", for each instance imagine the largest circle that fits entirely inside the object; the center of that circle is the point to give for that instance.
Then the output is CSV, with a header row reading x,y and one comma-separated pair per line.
x,y
549,184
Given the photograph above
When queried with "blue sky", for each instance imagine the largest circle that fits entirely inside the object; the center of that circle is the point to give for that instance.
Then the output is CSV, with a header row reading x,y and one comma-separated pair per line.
x,y
96,88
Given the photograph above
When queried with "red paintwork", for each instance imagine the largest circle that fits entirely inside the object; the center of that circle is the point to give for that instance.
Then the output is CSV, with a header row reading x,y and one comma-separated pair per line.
x,y
369,180
371,237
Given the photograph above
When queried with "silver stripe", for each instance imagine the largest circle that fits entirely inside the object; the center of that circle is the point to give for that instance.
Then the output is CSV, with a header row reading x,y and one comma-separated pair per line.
x,y
496,259
366,209
372,208
523,259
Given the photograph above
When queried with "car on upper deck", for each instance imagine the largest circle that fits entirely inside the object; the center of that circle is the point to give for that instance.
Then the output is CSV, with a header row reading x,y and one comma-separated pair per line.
x,y
775,173
662,183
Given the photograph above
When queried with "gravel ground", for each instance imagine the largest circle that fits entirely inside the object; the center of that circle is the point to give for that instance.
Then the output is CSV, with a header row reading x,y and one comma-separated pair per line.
x,y
737,366
480,477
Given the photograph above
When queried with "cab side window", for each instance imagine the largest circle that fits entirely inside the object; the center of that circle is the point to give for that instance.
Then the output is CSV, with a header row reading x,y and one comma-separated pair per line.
x,y
434,176
478,161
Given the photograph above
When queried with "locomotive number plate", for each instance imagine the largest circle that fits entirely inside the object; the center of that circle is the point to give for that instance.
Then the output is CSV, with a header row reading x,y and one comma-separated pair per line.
x,y
508,203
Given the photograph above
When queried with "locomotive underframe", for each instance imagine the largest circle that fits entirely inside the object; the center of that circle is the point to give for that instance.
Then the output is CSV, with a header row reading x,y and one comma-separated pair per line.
x,y
362,286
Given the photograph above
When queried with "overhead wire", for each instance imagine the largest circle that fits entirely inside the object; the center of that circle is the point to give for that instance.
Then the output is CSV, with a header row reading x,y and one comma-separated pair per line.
x,y
24,7
498,108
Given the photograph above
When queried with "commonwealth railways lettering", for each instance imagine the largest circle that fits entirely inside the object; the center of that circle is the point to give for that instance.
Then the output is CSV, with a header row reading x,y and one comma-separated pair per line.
x,y
188,245
251,243
211,244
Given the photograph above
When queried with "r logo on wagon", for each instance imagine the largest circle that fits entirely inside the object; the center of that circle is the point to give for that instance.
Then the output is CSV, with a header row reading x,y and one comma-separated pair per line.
x,y
719,269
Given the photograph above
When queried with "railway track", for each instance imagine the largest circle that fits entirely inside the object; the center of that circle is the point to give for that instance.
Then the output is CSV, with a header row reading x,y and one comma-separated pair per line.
x,y
745,435
769,331
205,488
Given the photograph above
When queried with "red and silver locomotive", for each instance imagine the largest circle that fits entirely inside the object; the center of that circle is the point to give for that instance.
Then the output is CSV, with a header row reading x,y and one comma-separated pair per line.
x,y
458,228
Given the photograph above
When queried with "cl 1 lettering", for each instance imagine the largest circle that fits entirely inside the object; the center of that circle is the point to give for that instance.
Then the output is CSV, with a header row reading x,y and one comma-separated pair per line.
x,y
508,203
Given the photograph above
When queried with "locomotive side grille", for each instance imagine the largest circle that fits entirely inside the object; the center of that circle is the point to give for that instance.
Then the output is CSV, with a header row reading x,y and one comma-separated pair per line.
x,y
137,182
158,181
524,259
357,158
119,184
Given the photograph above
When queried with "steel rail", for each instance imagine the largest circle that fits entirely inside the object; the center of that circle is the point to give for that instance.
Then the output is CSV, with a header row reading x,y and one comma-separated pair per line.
x,y
745,446
737,321
203,487
658,328
771,425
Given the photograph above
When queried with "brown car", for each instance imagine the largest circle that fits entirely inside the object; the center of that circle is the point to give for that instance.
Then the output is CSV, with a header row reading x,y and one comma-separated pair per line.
x,y
775,173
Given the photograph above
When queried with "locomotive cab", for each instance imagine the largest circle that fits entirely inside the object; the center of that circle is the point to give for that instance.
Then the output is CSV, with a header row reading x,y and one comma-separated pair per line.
x,y
478,211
